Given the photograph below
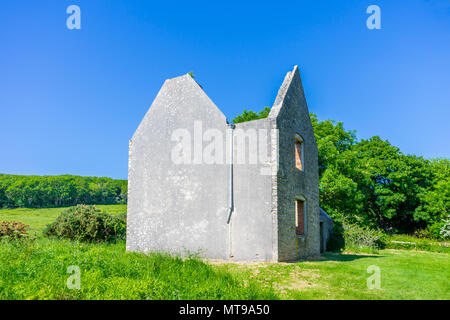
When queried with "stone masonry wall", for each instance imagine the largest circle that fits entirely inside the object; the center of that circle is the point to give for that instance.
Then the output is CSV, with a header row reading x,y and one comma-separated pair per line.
x,y
292,117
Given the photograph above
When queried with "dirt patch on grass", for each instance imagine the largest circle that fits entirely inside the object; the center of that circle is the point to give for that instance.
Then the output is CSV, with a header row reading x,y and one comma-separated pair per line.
x,y
282,276
298,279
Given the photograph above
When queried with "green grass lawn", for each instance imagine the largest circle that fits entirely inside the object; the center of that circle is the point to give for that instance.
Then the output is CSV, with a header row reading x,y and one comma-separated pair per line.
x,y
38,270
39,218
404,275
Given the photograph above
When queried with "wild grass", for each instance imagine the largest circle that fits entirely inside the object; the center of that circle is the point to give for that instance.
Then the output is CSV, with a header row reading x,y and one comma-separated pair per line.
x,y
37,269
420,244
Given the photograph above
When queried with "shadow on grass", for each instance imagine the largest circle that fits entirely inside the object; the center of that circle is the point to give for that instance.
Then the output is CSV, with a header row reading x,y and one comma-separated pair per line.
x,y
336,256
345,256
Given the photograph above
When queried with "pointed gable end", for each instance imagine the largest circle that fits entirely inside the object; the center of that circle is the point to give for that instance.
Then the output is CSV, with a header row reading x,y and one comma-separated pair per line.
x,y
290,95
180,97
298,175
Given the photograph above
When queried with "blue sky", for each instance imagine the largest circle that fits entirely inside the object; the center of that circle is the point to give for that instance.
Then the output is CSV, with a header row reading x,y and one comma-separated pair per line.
x,y
71,99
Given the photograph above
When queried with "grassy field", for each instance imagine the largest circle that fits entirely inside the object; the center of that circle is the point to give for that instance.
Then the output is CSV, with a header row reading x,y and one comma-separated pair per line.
x,y
38,270
37,219
403,274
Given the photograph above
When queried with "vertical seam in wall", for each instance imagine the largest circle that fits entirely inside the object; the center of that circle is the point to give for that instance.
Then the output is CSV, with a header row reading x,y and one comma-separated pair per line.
x,y
230,239
231,189
275,158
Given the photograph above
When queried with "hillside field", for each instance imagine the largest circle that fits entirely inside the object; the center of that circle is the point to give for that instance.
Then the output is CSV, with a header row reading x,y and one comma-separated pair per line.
x,y
37,269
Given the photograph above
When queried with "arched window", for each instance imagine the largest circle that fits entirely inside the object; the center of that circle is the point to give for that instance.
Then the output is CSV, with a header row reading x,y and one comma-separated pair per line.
x,y
299,154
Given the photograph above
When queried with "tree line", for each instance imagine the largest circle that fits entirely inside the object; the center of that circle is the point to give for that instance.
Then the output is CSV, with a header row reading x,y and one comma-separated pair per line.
x,y
371,183
59,191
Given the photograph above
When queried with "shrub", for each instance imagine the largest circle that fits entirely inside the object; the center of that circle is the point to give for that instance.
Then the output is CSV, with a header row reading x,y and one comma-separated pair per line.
x,y
423,234
86,223
445,230
362,237
14,230
352,236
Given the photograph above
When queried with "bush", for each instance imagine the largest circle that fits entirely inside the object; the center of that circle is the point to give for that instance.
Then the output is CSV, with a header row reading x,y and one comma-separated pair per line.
x,y
86,223
445,230
14,230
362,237
423,234
352,236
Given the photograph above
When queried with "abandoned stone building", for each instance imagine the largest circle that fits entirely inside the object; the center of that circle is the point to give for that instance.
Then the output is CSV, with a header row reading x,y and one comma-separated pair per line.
x,y
243,192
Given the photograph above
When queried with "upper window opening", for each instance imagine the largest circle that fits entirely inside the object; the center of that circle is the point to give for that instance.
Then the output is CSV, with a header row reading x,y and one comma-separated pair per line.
x,y
299,152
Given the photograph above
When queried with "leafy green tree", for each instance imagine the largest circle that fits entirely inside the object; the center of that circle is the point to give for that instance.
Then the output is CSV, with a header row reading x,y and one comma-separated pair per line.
x,y
391,194
332,139
435,200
